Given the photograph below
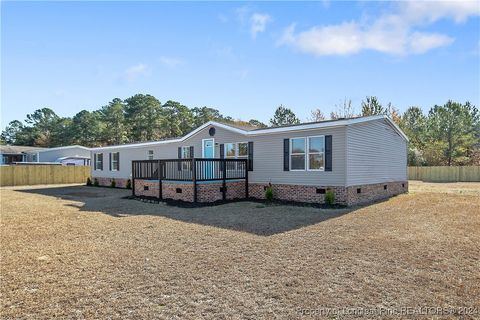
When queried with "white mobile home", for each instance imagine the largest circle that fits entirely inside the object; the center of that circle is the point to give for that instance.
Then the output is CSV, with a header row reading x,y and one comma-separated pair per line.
x,y
360,160
68,155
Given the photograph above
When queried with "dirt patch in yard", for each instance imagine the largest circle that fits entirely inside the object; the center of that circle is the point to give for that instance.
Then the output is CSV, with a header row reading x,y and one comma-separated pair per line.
x,y
68,254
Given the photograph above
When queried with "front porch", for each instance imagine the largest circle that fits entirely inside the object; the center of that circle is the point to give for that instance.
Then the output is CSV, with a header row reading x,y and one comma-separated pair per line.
x,y
191,180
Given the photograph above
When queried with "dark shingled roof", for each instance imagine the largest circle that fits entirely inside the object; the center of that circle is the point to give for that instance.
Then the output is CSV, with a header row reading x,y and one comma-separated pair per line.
x,y
7,149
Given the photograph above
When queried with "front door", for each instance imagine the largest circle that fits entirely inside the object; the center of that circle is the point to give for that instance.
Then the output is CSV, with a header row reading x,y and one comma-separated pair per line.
x,y
208,148
208,151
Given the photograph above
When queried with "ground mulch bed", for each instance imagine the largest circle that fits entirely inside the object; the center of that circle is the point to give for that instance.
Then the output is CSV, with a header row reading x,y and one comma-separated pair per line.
x,y
83,252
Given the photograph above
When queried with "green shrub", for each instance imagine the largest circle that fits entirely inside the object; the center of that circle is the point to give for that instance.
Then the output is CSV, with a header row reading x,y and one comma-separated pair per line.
x,y
329,197
129,184
269,192
95,182
113,184
89,182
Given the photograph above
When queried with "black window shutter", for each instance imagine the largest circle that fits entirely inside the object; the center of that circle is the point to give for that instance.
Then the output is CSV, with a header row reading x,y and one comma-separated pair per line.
x,y
101,161
179,157
95,161
328,153
250,156
191,152
222,151
286,154
118,161
110,161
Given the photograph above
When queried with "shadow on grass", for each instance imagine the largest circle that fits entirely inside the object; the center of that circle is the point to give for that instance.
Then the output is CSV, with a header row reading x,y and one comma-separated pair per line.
x,y
247,216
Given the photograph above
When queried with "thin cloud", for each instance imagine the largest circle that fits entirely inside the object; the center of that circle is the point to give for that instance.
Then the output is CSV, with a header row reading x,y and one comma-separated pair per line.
x,y
431,11
258,23
134,72
222,18
394,34
242,14
171,62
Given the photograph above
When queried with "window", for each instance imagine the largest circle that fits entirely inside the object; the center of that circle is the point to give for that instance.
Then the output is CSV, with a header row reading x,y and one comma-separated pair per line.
x,y
307,153
186,155
230,153
242,150
297,154
230,150
98,157
150,155
186,152
235,151
114,161
316,150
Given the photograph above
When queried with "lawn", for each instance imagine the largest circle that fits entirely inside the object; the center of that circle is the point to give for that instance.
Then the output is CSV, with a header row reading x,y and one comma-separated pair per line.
x,y
84,252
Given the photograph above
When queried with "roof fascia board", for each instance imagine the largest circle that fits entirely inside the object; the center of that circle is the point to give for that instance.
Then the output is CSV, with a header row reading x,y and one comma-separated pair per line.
x,y
189,135
60,148
311,126
396,128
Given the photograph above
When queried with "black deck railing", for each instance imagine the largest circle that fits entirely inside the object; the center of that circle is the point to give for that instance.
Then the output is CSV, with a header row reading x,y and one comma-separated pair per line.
x,y
195,170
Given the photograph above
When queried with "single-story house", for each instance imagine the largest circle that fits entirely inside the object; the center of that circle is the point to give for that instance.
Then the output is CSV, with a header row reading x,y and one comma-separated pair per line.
x,y
12,154
360,159
68,155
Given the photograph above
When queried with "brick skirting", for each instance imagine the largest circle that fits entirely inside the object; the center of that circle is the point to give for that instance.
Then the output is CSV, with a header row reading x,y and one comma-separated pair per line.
x,y
206,192
343,195
298,193
373,192
211,192
107,182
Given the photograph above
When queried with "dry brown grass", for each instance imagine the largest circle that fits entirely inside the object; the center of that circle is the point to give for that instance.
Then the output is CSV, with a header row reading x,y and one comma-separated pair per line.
x,y
79,252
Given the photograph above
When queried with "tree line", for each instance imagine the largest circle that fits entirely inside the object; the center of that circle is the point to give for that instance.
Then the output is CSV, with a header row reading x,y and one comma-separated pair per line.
x,y
446,135
136,119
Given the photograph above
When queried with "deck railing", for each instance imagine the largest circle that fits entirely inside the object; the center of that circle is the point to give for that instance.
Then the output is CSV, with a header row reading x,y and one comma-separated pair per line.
x,y
195,170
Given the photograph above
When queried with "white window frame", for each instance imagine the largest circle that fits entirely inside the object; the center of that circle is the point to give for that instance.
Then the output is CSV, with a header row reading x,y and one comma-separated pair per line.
x,y
96,161
307,159
305,154
152,155
234,150
188,151
237,152
185,165
112,161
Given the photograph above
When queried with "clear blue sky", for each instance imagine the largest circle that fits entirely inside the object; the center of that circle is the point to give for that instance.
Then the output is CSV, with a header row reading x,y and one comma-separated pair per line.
x,y
242,58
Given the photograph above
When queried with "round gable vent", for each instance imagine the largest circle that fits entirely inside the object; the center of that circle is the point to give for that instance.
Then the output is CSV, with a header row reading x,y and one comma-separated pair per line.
x,y
211,132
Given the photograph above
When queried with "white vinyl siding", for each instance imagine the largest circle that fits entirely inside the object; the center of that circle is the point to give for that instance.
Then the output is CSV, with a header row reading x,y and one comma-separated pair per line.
x,y
375,154
53,155
267,158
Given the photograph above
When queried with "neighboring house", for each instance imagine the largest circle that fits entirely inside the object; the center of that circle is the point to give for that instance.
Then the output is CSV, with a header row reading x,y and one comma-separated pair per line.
x,y
360,160
68,155
11,154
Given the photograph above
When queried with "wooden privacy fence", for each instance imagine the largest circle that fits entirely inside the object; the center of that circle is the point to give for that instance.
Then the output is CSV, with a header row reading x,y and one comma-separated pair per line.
x,y
445,174
17,175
